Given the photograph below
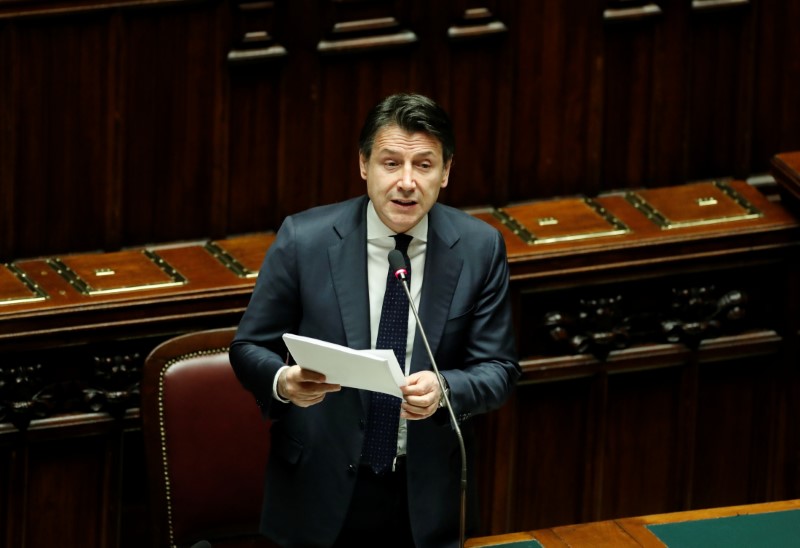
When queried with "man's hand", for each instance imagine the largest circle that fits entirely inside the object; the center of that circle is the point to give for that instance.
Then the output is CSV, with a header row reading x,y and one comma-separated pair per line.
x,y
421,395
303,387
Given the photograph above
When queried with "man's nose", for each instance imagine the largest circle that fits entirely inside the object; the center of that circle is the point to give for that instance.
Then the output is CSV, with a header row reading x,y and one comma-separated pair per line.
x,y
406,181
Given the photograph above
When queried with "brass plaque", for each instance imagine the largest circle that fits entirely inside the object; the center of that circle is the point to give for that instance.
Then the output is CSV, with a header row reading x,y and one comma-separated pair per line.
x,y
560,221
119,272
16,287
242,255
693,205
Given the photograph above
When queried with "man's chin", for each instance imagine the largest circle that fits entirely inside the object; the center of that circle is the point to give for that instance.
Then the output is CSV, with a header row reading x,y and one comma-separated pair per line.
x,y
403,223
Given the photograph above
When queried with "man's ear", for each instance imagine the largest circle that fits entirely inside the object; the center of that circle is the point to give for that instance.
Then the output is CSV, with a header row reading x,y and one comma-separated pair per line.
x,y
446,173
362,165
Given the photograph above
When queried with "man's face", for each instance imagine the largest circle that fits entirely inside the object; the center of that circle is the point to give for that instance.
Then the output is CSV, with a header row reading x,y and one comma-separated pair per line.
x,y
404,174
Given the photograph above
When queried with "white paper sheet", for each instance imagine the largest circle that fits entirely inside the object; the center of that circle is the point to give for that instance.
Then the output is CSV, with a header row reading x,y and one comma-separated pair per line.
x,y
375,370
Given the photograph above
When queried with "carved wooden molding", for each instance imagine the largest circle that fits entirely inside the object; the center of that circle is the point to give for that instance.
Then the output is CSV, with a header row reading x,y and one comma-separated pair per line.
x,y
361,26
365,35
476,23
20,8
254,25
656,355
104,383
22,395
705,5
115,387
620,11
688,316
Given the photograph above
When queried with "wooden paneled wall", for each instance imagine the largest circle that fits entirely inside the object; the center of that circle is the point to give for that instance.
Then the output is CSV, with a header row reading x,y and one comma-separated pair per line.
x,y
133,121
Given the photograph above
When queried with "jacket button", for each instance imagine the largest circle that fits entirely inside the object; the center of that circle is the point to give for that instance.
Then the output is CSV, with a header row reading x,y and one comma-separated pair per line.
x,y
362,423
351,469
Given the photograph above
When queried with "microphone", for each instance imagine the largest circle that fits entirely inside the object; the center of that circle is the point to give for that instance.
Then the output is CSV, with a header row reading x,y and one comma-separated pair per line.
x,y
398,264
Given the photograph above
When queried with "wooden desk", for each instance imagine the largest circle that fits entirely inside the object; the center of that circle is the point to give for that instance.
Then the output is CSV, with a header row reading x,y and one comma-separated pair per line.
x,y
621,533
657,331
786,169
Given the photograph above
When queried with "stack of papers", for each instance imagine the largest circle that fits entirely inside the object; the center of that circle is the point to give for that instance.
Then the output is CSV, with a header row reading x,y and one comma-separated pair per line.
x,y
375,370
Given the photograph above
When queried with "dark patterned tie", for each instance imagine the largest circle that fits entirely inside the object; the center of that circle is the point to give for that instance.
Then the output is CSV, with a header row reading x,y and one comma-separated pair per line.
x,y
380,444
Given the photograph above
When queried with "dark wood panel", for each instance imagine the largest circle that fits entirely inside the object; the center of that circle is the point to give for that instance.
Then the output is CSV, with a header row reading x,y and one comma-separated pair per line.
x,y
68,474
733,419
300,117
134,506
776,81
631,75
65,482
480,170
130,126
720,92
10,485
8,141
557,102
61,134
643,443
643,431
494,469
174,162
255,106
553,449
667,152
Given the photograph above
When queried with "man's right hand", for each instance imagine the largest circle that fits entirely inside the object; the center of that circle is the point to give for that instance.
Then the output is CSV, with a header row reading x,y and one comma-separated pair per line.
x,y
303,387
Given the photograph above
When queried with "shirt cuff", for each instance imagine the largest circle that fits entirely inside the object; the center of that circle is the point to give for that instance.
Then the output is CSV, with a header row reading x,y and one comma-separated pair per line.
x,y
275,385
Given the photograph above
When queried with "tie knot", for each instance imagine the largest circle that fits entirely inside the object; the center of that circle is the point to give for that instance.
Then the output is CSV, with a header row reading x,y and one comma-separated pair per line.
x,y
401,242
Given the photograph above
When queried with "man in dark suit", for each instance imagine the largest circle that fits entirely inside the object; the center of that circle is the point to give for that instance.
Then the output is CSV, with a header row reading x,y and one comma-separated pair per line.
x,y
325,277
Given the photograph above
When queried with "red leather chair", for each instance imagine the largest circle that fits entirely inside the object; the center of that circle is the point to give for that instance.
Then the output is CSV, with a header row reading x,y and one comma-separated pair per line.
x,y
206,445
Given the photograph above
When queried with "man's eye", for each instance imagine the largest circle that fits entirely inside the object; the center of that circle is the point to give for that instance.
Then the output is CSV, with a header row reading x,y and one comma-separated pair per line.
x,y
425,165
390,163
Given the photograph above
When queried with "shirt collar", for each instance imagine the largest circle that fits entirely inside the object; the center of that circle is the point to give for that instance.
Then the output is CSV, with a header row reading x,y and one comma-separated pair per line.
x,y
376,228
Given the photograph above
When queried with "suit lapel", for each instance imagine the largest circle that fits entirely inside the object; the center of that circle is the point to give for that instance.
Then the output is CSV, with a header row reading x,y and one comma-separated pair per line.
x,y
442,270
348,260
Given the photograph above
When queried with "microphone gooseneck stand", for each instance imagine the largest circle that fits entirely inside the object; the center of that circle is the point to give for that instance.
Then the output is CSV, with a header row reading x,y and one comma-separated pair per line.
x,y
400,275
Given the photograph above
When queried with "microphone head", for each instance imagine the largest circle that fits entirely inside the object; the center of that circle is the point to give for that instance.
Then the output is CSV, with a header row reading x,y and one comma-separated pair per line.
x,y
398,264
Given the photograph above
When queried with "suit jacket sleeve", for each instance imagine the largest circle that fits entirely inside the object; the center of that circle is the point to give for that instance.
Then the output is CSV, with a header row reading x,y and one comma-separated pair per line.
x,y
477,354
257,351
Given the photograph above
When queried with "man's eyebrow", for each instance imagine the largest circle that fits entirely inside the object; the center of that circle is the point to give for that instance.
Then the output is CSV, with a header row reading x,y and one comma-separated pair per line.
x,y
426,152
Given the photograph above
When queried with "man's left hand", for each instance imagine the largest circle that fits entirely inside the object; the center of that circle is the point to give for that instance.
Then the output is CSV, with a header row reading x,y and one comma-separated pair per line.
x,y
421,396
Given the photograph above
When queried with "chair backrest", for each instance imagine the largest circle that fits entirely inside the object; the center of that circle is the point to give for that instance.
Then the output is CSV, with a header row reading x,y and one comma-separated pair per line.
x,y
206,443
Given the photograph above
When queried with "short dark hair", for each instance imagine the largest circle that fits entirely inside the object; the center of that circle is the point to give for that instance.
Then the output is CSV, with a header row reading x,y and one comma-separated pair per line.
x,y
410,112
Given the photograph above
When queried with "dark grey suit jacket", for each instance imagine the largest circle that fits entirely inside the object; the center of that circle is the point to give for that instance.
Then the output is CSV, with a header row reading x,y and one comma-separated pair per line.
x,y
314,282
